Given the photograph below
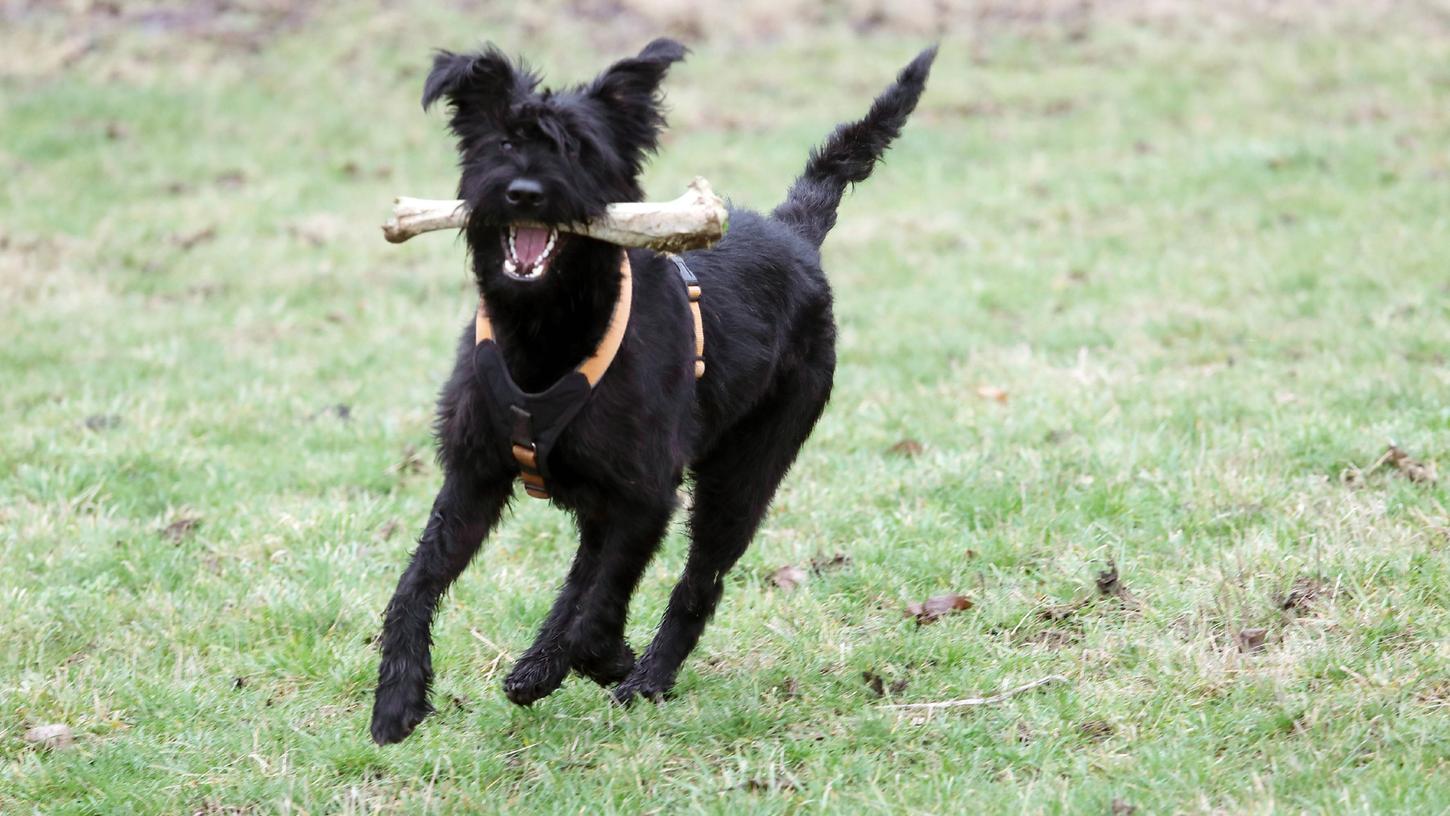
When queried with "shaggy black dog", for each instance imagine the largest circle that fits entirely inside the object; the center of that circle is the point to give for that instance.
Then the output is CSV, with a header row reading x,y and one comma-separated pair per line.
x,y
556,157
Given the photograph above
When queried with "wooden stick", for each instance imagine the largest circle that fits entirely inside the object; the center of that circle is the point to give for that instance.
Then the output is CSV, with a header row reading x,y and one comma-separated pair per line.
x,y
977,701
695,220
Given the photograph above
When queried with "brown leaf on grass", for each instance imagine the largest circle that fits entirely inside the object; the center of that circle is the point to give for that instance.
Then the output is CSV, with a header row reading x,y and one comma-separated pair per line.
x,y
1096,729
909,448
879,686
875,683
938,606
1416,471
788,577
52,736
822,563
181,529
1108,581
1252,640
1409,467
190,240
993,393
1120,807
1301,595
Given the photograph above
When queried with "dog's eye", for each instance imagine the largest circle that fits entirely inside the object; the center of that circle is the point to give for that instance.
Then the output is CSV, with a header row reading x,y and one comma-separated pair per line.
x,y
505,144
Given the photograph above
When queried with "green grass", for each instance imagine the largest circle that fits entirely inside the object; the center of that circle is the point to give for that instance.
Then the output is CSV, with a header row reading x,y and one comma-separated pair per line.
x,y
1205,258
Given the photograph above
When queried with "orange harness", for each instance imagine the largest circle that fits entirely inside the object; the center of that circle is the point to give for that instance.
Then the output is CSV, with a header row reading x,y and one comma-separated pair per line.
x,y
535,420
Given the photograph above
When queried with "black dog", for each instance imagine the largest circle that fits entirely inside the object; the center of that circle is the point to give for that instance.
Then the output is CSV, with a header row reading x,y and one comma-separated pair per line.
x,y
556,157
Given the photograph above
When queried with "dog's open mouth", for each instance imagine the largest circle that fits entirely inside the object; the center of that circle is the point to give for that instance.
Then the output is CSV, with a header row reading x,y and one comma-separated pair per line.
x,y
528,251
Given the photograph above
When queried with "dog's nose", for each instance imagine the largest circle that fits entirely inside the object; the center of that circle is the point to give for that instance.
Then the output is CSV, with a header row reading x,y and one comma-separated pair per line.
x,y
525,194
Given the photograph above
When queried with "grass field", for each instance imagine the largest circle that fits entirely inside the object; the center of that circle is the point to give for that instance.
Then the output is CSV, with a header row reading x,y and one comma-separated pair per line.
x,y
1153,290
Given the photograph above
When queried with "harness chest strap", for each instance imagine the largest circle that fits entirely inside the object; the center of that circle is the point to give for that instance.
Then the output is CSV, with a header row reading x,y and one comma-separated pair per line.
x,y
521,432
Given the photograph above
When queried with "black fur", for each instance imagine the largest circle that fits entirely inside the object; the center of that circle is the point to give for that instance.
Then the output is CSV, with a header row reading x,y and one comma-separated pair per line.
x,y
769,349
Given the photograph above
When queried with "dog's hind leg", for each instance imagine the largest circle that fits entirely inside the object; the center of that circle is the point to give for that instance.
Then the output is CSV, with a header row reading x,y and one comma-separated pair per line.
x,y
465,510
734,484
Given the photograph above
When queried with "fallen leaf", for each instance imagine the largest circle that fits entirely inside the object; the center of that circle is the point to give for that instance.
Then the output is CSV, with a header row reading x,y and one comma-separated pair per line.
x,y
938,606
992,392
875,683
1122,808
1301,595
1252,640
190,240
1416,471
788,577
821,564
181,529
52,736
1108,581
907,447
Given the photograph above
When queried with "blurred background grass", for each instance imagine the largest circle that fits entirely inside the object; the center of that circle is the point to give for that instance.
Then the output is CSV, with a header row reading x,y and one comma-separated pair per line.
x,y
1143,283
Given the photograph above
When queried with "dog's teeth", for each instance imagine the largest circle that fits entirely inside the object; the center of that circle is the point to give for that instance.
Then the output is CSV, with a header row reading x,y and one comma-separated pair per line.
x,y
509,266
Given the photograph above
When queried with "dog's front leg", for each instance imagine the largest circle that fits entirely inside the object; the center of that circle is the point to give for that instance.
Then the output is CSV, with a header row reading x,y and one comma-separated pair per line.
x,y
585,627
544,666
628,538
465,510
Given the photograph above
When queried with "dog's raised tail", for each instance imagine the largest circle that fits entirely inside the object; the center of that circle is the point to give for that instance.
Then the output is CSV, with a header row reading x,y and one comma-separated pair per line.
x,y
850,152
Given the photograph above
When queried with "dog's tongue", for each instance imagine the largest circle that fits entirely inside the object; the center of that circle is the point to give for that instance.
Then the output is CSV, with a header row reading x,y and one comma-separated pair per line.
x,y
529,243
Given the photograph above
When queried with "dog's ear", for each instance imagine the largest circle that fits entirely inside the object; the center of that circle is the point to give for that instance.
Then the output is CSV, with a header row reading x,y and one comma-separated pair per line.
x,y
630,88
484,80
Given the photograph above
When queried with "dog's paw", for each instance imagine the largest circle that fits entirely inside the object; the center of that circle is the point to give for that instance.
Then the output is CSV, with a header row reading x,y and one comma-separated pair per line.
x,y
397,711
640,685
536,676
607,668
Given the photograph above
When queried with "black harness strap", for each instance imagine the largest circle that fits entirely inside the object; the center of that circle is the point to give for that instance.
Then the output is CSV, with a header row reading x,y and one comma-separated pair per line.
x,y
692,290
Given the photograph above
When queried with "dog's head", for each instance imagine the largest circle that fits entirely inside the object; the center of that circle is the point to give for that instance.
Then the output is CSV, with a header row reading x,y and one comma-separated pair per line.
x,y
533,159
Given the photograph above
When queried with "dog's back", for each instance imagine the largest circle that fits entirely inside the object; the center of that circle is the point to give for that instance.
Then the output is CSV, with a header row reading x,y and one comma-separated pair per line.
x,y
768,305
